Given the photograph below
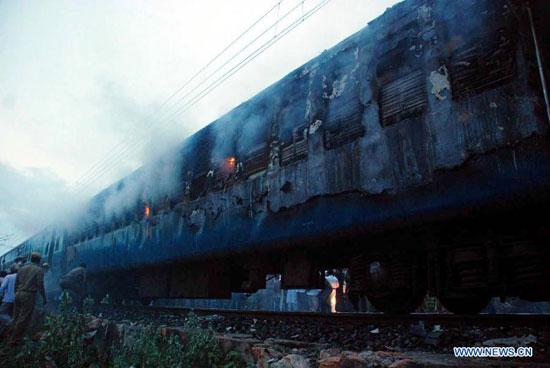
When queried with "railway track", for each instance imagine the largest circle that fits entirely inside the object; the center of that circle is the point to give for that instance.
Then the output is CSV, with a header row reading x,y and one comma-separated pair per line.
x,y
437,333
525,320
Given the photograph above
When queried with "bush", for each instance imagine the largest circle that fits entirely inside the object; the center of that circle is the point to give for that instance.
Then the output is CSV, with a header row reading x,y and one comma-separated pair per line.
x,y
200,350
65,342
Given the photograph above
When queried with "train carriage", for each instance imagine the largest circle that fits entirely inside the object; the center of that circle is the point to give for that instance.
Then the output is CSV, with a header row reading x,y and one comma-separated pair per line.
x,y
415,153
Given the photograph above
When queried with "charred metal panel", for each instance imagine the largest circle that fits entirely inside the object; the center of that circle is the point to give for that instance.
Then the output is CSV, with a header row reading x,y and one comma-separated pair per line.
x,y
288,186
410,155
342,170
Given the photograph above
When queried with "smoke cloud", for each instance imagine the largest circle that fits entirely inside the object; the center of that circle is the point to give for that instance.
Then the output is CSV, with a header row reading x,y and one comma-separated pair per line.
x,y
31,199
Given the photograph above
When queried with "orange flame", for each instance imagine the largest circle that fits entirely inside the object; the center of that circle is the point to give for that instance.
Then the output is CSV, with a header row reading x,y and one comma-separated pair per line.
x,y
147,211
231,162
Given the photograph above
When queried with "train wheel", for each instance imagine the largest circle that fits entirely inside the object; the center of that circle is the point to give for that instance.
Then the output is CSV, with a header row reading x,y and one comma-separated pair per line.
x,y
465,305
397,284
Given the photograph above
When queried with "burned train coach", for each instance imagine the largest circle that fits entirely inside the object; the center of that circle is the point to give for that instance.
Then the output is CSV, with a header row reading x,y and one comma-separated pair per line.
x,y
415,153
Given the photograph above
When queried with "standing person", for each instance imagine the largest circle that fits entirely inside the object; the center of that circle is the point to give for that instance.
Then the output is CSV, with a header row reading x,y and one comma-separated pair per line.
x,y
38,317
7,293
19,262
29,281
328,295
75,283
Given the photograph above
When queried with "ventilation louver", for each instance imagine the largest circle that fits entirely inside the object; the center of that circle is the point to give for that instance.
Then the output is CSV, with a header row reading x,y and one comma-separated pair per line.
x,y
295,151
257,161
403,97
482,64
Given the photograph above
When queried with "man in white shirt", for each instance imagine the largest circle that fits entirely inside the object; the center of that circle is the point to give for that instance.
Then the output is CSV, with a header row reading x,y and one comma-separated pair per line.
x,y
7,292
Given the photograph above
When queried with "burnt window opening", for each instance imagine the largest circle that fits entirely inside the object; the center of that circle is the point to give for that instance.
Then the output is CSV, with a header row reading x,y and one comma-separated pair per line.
x,y
344,122
295,151
198,186
401,82
200,150
220,178
482,64
336,136
339,107
403,97
228,171
215,180
257,161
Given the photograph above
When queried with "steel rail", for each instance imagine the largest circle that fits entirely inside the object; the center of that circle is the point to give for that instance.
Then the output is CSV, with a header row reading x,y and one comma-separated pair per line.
x,y
527,320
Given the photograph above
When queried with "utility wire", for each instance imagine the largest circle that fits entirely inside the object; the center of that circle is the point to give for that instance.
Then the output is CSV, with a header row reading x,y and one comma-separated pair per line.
x,y
274,25
204,80
218,81
94,167
204,92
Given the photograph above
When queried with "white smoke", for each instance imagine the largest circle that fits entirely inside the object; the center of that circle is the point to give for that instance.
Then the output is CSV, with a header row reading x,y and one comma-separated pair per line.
x,y
31,199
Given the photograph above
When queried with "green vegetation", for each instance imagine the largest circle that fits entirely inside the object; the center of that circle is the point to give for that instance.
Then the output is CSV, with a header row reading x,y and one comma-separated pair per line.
x,y
66,341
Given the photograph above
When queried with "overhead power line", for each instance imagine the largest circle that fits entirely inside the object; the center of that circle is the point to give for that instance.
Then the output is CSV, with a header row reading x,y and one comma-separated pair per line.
x,y
92,170
103,166
140,141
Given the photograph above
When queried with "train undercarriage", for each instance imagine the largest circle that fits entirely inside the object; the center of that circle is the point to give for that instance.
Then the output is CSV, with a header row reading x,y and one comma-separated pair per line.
x,y
464,267
464,263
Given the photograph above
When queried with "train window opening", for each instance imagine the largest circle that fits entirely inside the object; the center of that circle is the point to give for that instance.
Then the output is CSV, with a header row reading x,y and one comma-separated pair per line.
x,y
198,186
256,161
342,110
403,97
345,122
297,149
482,64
